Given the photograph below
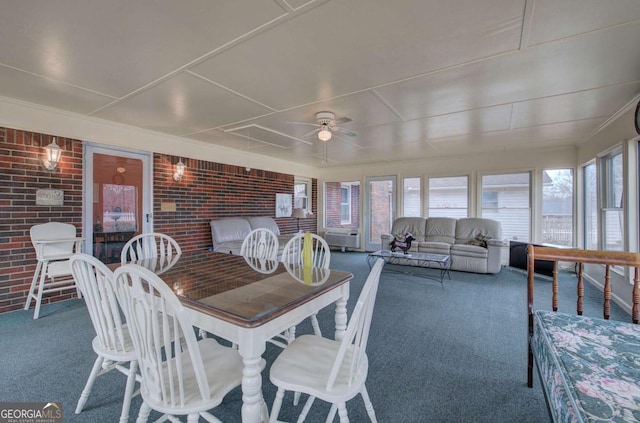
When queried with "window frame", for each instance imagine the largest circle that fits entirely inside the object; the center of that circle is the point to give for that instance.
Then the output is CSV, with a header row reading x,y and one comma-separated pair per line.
x,y
299,180
607,196
347,189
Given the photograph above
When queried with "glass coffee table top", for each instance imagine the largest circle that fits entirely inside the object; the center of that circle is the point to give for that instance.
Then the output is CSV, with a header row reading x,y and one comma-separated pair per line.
x,y
412,260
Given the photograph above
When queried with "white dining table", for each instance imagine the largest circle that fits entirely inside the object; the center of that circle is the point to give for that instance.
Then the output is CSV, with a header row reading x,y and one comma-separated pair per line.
x,y
248,302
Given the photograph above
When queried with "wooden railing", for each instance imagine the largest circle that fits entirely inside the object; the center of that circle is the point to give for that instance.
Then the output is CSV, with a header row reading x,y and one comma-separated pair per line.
x,y
580,257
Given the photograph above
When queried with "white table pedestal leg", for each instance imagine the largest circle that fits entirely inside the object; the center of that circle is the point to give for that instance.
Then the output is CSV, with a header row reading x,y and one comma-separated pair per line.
x,y
341,312
252,402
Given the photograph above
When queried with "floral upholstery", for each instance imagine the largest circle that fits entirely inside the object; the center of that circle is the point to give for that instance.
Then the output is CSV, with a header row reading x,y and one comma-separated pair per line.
x,y
590,368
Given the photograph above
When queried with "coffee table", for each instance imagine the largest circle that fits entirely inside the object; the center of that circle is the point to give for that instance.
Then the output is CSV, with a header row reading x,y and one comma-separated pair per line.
x,y
415,260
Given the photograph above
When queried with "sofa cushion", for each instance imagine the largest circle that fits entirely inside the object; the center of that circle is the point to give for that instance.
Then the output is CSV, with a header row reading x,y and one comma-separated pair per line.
x,y
259,222
441,229
415,225
433,247
472,228
229,247
229,229
468,250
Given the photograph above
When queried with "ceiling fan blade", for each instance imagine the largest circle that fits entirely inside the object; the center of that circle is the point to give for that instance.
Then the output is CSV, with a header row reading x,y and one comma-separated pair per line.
x,y
342,120
311,133
345,131
304,123
346,141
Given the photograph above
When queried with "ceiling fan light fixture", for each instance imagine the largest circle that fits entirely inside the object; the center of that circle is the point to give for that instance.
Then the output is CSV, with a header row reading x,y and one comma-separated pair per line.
x,y
324,134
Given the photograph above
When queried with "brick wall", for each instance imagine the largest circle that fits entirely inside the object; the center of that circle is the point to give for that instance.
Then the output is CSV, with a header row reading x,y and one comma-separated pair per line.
x,y
208,191
21,174
213,191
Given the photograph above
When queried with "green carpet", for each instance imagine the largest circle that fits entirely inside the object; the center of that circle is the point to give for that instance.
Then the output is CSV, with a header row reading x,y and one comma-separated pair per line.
x,y
438,353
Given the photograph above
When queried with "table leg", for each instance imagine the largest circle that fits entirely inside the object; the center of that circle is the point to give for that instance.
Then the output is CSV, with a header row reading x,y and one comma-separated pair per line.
x,y
341,313
253,406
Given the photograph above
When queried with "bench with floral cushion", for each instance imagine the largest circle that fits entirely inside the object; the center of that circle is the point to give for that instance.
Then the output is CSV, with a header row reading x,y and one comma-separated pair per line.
x,y
589,367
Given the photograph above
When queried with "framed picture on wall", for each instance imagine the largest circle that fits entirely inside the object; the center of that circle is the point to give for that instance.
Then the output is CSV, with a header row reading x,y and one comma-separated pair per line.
x,y
283,205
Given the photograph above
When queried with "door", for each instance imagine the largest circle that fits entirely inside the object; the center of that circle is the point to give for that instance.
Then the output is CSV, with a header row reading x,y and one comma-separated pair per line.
x,y
380,209
117,201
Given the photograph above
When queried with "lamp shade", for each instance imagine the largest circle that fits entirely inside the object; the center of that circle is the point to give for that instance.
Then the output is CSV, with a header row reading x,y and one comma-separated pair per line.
x,y
324,134
299,213
52,154
179,171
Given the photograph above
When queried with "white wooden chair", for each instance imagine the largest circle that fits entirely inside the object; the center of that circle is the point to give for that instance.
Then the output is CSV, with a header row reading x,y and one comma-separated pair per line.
x,y
331,370
180,375
112,343
292,255
260,243
151,245
55,243
320,251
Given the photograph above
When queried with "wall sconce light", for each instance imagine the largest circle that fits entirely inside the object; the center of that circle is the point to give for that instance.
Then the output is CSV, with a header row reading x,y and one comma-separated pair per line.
x,y
52,155
179,171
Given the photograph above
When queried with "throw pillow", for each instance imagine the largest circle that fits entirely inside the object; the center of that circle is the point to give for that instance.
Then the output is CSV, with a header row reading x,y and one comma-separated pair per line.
x,y
480,240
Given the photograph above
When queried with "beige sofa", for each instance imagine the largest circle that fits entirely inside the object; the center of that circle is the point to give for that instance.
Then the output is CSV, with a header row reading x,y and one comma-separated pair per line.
x,y
462,239
228,233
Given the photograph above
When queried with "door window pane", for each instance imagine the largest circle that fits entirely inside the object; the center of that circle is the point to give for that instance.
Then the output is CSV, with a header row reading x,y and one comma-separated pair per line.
x,y
381,206
119,208
506,198
449,197
117,204
557,207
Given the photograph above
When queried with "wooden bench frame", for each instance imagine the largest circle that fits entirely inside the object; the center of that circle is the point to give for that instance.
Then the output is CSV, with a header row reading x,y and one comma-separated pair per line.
x,y
580,257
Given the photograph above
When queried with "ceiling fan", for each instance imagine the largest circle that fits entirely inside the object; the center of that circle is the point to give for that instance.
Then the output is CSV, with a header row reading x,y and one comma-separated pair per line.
x,y
327,126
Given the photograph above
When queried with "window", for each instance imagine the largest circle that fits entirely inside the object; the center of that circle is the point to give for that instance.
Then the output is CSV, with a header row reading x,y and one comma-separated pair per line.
x,y
302,194
342,204
345,205
412,205
490,200
612,201
557,207
590,207
506,198
449,197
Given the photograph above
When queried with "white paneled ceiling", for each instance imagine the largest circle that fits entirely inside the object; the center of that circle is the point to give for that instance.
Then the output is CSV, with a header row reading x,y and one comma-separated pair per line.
x,y
418,79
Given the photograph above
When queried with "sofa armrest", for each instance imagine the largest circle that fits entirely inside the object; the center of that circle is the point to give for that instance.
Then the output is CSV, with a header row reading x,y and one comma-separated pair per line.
x,y
497,243
386,241
494,259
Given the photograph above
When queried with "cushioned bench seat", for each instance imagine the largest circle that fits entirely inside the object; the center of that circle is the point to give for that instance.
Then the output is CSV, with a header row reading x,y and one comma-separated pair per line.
x,y
589,367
